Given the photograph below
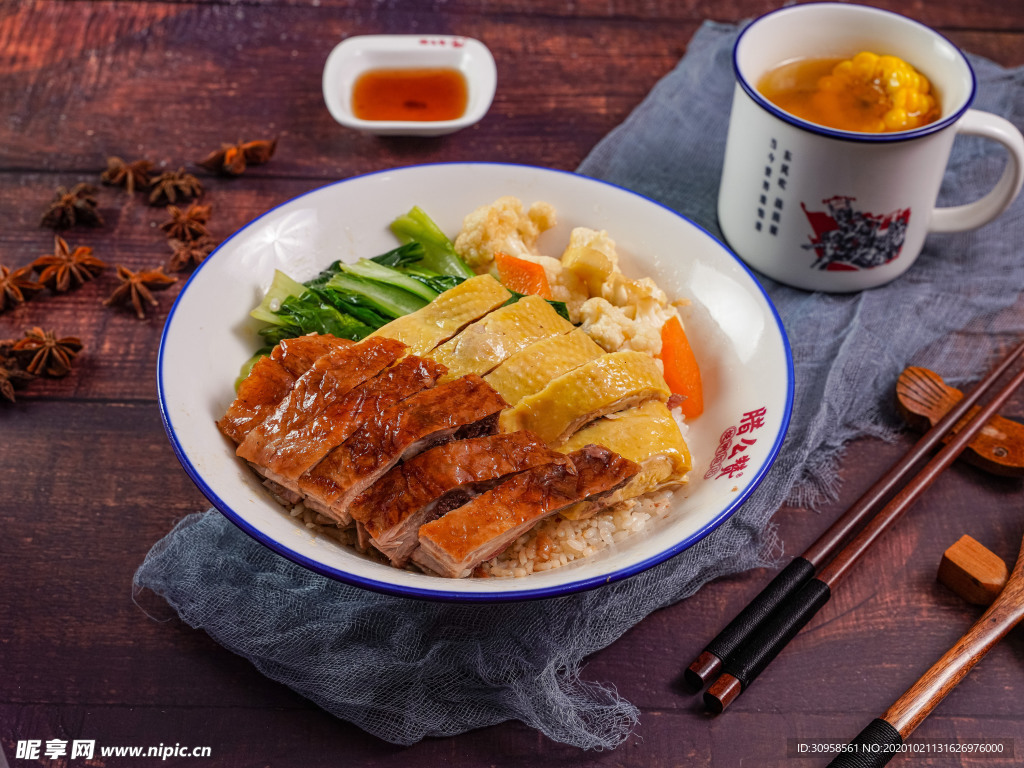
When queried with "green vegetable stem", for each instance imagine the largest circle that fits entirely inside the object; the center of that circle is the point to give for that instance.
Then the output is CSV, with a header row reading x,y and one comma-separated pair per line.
x,y
353,300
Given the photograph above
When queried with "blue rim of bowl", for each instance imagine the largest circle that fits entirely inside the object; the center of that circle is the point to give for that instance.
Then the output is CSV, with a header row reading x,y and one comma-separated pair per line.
x,y
454,595
866,138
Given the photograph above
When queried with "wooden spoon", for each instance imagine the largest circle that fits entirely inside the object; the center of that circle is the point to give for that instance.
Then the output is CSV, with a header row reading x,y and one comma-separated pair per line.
x,y
879,742
924,398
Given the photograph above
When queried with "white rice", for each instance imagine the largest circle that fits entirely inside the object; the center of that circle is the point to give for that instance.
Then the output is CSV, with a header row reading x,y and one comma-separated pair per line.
x,y
552,543
556,541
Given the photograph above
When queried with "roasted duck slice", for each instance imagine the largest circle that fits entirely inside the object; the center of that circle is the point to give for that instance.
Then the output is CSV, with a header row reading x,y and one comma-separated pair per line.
x,y
258,396
438,480
307,443
646,434
270,379
481,346
604,385
286,439
454,409
529,370
465,537
298,355
446,315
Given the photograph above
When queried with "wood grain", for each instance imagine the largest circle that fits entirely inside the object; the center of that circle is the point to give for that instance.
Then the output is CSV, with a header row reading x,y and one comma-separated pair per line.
x,y
88,480
1006,611
923,399
972,571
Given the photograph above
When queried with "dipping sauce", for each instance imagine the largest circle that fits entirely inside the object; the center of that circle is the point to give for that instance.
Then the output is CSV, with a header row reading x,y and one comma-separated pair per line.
x,y
427,94
867,94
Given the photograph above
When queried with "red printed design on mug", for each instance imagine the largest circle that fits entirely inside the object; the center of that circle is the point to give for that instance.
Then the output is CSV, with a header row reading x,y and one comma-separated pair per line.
x,y
883,176
846,239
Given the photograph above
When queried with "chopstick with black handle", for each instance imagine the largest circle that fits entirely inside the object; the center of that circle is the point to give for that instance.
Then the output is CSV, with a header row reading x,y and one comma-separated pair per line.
x,y
743,666
879,741
801,569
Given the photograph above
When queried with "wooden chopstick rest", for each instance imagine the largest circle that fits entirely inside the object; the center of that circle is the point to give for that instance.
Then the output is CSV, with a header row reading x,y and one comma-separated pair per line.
x,y
973,571
923,398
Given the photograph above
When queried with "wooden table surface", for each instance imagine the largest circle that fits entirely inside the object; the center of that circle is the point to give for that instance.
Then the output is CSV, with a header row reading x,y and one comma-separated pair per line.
x,y
89,482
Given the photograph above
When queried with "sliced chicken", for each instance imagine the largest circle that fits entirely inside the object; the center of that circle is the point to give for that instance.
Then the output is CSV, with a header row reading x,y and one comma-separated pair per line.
x,y
439,480
446,315
454,409
465,537
604,385
529,370
285,443
646,434
483,345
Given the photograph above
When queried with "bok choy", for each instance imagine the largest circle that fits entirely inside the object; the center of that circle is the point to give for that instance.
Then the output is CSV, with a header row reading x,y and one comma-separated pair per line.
x,y
353,300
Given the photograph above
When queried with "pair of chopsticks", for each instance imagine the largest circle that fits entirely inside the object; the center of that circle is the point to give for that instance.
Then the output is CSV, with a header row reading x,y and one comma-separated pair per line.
x,y
748,644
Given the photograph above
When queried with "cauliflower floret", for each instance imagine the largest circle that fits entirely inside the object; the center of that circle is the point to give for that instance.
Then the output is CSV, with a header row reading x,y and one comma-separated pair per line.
x,y
604,323
565,286
591,256
636,327
502,226
622,292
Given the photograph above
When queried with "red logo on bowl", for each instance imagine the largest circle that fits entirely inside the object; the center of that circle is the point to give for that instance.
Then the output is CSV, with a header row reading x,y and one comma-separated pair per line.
x,y
731,456
846,239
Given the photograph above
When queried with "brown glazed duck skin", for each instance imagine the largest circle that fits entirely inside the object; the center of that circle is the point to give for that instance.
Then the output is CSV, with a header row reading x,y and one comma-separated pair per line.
x,y
465,405
307,445
259,394
465,537
298,355
271,379
438,480
288,438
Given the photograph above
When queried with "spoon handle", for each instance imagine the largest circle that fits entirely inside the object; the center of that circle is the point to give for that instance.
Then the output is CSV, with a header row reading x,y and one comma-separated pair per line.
x,y
877,744
922,697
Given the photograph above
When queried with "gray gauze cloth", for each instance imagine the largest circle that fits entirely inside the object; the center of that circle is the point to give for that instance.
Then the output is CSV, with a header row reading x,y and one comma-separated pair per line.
x,y
404,669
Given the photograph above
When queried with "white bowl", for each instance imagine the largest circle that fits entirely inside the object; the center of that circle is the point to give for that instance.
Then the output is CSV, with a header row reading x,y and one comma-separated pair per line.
x,y
736,334
355,55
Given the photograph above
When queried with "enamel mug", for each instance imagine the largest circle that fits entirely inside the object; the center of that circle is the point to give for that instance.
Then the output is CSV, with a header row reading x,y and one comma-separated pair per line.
x,y
840,211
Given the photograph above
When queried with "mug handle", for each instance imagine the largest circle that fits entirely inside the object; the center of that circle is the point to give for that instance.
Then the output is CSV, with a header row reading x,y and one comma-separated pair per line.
x,y
973,215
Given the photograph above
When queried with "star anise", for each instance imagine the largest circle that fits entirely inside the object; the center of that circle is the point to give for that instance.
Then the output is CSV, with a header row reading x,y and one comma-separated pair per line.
x,y
188,254
188,223
136,287
232,159
16,286
65,268
127,175
11,376
73,206
46,352
171,185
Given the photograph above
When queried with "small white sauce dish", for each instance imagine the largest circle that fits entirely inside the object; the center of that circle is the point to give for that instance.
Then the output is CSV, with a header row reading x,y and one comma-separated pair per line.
x,y
356,55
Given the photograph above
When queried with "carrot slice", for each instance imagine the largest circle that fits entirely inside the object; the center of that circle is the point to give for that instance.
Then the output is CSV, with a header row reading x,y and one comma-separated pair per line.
x,y
682,374
522,276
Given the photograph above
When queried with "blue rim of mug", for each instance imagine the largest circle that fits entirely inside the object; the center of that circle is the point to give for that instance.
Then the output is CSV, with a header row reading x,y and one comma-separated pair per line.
x,y
822,130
